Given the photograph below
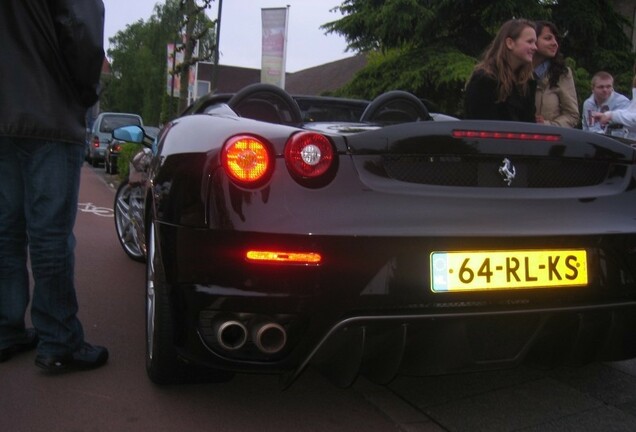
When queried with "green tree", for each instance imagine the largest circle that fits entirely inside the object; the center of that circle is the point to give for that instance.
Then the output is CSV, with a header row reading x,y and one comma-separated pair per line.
x,y
129,70
197,30
138,60
595,37
429,47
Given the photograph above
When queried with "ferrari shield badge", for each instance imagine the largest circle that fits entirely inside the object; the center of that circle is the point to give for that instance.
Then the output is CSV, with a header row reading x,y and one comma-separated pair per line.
x,y
507,171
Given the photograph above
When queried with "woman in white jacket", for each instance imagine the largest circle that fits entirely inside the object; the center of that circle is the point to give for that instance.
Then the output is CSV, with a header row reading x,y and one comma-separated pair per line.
x,y
625,117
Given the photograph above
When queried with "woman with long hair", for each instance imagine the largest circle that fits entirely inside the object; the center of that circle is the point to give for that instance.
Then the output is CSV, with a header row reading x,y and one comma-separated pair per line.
x,y
501,86
555,98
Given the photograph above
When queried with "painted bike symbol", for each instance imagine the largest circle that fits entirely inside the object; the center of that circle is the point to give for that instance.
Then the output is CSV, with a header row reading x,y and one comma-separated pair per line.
x,y
92,208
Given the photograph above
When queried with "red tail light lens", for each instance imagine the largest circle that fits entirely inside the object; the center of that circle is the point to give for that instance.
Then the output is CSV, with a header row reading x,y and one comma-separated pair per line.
x,y
117,147
309,154
247,159
95,142
506,135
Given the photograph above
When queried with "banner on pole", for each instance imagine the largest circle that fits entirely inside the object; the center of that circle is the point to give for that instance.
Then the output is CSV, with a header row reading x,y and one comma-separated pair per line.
x,y
174,59
274,45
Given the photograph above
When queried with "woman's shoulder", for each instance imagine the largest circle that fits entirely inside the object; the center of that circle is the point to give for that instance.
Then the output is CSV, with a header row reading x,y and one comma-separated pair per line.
x,y
481,73
567,77
482,77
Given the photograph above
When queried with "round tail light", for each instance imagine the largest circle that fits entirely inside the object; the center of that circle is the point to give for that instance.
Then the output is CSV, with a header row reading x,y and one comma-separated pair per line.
x,y
309,155
247,159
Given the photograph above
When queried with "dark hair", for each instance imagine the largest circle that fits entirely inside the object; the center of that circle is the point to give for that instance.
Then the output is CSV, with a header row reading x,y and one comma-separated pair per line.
x,y
496,62
557,64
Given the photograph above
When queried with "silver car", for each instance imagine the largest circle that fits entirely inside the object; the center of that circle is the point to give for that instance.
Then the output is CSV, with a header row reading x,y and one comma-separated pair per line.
x,y
101,133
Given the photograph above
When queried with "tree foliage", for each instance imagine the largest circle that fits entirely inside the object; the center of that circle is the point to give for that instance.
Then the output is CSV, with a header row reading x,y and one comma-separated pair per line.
x,y
433,70
139,64
429,47
197,30
596,38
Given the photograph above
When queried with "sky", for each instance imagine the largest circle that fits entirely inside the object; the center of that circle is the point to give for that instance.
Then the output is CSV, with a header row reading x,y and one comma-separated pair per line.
x,y
240,42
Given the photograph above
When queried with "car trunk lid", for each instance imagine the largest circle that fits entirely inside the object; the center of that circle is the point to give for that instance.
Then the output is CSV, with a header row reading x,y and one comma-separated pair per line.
x,y
491,154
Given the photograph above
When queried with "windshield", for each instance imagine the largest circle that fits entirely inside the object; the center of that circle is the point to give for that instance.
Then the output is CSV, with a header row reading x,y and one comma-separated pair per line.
x,y
110,123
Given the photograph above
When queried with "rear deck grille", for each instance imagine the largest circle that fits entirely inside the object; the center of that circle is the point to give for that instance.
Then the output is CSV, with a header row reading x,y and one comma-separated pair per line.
x,y
484,172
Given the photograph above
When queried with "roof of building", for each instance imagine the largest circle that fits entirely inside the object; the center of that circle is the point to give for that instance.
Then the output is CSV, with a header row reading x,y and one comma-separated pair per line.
x,y
324,78
106,69
317,80
231,78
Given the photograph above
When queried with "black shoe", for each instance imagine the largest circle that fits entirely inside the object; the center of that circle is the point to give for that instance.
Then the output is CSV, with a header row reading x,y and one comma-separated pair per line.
x,y
86,357
28,344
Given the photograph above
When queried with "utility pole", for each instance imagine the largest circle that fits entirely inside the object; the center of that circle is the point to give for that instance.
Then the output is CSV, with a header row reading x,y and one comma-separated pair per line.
x,y
195,27
190,21
216,70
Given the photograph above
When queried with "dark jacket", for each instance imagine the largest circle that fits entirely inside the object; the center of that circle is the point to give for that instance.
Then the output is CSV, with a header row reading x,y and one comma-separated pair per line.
x,y
51,54
481,101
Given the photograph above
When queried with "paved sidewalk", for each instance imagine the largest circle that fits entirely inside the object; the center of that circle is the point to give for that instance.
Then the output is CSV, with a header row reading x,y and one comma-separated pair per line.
x,y
597,397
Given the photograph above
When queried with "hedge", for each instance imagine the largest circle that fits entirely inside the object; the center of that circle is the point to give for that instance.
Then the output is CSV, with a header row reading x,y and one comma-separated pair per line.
x,y
127,152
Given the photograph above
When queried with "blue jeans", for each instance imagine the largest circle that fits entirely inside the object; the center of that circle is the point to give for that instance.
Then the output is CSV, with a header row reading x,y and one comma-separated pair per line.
x,y
39,187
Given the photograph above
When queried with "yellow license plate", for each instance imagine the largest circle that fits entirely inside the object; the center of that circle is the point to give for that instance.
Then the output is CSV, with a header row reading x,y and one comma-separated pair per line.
x,y
497,270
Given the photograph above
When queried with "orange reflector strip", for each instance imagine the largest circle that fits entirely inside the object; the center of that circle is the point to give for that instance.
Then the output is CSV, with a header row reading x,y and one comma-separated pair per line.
x,y
284,257
506,135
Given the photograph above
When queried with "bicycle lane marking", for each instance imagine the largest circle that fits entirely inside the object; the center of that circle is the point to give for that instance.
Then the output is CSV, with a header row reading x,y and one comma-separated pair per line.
x,y
92,208
96,196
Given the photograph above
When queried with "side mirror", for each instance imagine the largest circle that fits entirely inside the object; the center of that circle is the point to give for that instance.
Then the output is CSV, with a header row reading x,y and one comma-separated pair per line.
x,y
134,134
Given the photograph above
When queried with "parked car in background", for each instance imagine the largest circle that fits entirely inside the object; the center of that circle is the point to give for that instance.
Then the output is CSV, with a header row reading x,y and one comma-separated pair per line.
x,y
114,147
100,134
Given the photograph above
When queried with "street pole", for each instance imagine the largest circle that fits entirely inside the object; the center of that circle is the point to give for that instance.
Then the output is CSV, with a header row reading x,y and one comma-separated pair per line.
x,y
215,71
174,60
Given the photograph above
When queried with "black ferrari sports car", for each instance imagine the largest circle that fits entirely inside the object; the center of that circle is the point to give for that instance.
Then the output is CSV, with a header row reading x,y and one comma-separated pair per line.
x,y
377,238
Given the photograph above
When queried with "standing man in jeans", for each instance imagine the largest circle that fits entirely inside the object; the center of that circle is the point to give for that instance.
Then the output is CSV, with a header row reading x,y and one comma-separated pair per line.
x,y
51,54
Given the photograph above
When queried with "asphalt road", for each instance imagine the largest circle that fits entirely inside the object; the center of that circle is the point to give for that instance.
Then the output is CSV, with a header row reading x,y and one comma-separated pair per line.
x,y
119,397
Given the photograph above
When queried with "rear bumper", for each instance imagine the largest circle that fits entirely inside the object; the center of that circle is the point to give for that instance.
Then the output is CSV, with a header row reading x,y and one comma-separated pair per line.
x,y
369,309
434,344
383,346
97,154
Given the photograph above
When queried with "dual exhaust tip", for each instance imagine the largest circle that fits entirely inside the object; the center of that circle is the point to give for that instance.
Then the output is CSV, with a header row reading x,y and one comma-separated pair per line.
x,y
268,337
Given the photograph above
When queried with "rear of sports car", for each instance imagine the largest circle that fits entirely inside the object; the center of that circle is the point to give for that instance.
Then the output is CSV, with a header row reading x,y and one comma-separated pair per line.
x,y
420,248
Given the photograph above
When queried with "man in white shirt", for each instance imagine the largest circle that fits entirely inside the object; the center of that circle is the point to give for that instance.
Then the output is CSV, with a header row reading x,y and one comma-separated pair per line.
x,y
603,99
624,119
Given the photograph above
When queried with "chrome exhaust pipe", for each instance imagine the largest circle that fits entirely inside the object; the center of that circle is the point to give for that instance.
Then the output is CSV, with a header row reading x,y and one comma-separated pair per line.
x,y
231,335
269,338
